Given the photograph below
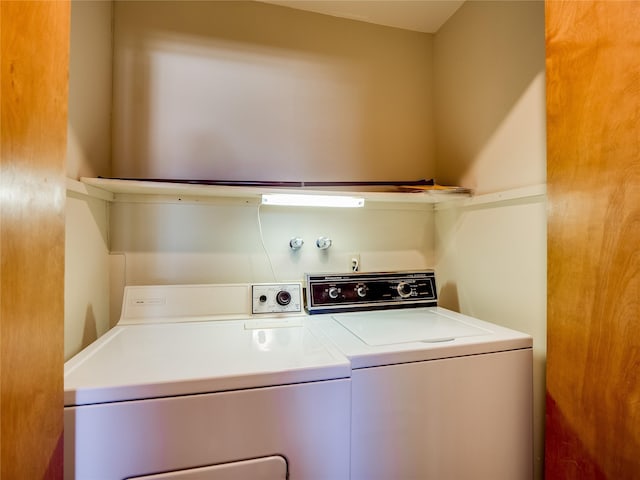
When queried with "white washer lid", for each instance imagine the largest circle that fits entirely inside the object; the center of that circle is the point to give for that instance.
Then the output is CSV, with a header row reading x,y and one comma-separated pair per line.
x,y
401,326
144,361
394,337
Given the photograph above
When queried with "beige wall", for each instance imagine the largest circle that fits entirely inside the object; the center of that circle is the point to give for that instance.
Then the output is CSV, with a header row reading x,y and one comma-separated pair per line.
x,y
88,154
228,241
490,136
91,52
251,91
489,102
86,303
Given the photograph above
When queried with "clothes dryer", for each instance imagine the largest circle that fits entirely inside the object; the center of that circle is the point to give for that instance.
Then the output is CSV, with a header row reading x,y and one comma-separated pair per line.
x,y
192,384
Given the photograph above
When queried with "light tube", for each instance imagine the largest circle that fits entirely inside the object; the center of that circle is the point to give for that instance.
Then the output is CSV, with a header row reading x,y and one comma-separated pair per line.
x,y
302,200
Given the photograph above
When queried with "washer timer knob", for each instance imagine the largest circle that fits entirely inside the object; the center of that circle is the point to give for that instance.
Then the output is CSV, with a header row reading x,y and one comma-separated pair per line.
x,y
404,289
361,290
283,297
333,292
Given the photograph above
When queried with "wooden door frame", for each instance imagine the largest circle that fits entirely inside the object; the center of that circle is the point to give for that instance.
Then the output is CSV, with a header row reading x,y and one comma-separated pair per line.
x,y
34,85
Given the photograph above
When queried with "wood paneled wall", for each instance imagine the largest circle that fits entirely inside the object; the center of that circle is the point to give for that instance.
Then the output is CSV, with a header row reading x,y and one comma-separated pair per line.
x,y
35,46
593,124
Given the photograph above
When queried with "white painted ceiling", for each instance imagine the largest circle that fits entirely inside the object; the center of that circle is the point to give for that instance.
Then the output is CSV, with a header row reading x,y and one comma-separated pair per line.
x,y
419,15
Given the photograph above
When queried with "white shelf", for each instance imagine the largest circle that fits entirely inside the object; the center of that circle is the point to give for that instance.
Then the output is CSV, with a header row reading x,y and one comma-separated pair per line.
x,y
142,191
529,193
126,190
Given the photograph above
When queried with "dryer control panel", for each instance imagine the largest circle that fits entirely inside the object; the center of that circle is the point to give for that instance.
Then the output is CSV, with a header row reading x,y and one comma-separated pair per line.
x,y
327,293
276,298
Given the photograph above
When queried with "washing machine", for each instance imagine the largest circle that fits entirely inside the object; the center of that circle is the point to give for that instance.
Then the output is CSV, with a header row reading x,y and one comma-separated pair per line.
x,y
208,382
436,395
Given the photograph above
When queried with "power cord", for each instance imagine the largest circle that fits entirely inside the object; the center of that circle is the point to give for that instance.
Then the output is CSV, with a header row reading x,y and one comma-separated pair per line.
x,y
264,247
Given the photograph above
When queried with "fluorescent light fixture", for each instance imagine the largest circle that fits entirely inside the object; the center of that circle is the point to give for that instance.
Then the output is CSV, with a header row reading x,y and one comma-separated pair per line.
x,y
302,200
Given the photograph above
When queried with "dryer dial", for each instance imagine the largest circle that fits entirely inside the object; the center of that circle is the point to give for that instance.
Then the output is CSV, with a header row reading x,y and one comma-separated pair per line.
x,y
283,297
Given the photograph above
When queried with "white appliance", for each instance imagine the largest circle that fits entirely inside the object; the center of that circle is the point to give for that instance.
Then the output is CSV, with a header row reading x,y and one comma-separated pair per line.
x,y
234,382
208,382
436,395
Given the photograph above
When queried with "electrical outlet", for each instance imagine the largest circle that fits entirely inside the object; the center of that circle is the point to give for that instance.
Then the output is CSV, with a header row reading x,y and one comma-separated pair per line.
x,y
354,262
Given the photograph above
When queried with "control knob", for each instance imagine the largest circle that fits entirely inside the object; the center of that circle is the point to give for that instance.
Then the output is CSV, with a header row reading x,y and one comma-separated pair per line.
x,y
333,292
404,289
361,290
283,298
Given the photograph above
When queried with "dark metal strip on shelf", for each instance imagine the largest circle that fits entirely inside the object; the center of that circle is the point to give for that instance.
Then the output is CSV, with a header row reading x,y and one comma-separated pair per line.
x,y
284,184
